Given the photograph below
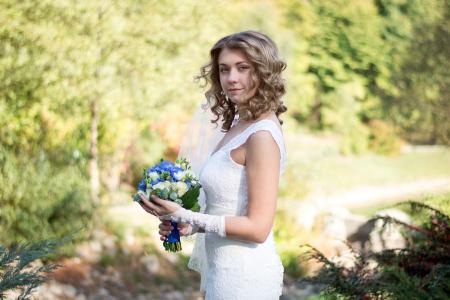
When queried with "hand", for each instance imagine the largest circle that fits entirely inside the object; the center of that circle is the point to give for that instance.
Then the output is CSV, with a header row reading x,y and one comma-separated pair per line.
x,y
158,207
166,227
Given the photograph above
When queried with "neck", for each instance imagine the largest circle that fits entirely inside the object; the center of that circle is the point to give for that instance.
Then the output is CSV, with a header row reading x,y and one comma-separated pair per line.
x,y
262,116
240,114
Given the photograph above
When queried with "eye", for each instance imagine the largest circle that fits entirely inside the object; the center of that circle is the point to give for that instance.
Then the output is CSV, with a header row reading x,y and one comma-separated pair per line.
x,y
223,70
243,68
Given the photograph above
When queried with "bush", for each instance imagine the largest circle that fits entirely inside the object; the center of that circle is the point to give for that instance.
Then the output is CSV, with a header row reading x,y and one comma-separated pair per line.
x,y
354,140
16,270
419,271
383,139
286,234
39,200
340,113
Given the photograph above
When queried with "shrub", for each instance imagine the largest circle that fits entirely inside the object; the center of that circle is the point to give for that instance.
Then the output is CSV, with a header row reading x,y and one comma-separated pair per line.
x,y
39,200
16,266
286,234
354,139
419,271
383,139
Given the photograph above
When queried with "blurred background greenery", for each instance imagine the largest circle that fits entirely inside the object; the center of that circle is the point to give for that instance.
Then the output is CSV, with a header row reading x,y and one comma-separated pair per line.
x,y
93,91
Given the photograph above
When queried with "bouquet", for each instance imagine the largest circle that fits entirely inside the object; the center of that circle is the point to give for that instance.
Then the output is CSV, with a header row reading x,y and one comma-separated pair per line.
x,y
175,182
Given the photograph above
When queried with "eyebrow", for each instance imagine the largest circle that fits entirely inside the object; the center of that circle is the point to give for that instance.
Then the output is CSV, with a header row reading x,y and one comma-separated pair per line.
x,y
238,63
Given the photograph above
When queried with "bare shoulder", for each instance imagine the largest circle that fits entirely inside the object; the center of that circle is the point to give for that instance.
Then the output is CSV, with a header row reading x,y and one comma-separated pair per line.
x,y
263,143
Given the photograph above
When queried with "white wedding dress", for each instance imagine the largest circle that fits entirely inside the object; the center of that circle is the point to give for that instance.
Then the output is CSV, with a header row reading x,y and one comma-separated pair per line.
x,y
238,270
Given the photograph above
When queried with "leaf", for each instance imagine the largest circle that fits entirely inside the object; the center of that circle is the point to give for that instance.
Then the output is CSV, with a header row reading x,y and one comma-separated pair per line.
x,y
190,198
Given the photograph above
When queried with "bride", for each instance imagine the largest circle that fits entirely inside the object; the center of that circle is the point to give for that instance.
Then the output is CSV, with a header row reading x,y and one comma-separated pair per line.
x,y
240,177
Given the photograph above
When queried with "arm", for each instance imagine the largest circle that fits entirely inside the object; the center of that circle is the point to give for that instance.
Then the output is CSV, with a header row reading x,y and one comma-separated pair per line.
x,y
262,168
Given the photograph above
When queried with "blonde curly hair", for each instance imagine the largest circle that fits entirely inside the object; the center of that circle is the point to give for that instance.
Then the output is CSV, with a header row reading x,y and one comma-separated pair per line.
x,y
262,53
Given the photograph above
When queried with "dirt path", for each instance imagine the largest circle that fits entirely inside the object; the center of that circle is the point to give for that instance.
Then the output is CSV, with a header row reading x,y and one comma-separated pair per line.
x,y
370,195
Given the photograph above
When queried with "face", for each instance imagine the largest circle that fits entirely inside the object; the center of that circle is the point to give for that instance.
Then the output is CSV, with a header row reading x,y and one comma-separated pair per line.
x,y
235,75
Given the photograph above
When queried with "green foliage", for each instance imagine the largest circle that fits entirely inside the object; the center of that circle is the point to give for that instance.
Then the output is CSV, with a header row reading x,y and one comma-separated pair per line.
x,y
39,201
349,62
287,234
134,61
393,53
344,46
419,271
21,269
190,199
421,107
341,114
383,138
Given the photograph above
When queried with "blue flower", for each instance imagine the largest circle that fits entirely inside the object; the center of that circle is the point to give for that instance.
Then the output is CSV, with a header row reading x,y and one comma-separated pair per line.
x,y
189,184
165,165
142,186
156,181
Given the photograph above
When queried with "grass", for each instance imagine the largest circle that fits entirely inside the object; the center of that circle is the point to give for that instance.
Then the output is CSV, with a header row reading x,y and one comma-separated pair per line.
x,y
441,202
340,173
315,164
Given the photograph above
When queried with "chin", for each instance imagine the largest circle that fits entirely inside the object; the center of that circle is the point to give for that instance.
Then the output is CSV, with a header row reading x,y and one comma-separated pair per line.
x,y
237,100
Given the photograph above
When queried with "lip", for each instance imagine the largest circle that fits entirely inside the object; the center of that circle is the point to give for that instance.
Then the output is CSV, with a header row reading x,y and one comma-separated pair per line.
x,y
234,90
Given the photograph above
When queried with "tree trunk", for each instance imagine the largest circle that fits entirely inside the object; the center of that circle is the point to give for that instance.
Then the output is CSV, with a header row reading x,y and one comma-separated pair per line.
x,y
94,172
93,162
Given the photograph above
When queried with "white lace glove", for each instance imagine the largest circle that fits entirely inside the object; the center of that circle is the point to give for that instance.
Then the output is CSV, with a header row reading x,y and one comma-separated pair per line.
x,y
192,229
209,223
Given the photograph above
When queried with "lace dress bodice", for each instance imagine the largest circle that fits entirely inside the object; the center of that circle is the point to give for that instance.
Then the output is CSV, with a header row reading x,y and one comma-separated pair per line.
x,y
238,269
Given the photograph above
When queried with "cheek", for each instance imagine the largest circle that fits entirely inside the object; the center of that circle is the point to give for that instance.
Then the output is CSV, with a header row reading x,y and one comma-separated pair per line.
x,y
251,81
222,80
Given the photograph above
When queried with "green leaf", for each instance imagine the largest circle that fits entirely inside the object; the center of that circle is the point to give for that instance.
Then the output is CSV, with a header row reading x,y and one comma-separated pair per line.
x,y
190,198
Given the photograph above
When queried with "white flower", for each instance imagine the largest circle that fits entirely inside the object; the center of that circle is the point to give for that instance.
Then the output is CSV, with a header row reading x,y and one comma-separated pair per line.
x,y
182,188
153,175
178,175
173,186
190,173
159,185
162,185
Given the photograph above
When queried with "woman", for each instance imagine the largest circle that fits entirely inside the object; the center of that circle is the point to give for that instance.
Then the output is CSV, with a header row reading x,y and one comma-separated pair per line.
x,y
240,177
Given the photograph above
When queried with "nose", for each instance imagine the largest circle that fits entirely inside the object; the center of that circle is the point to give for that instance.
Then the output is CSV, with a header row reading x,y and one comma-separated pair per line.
x,y
232,76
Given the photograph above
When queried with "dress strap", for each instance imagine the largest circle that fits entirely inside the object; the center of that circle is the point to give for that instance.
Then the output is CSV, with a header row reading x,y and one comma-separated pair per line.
x,y
267,125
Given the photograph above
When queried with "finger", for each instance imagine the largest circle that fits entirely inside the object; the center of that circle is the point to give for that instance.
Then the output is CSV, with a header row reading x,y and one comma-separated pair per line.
x,y
150,205
164,232
157,200
163,238
165,227
144,199
147,209
164,220
142,195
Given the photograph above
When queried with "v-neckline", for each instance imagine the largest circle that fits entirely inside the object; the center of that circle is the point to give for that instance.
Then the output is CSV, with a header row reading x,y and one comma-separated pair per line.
x,y
227,143
233,138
